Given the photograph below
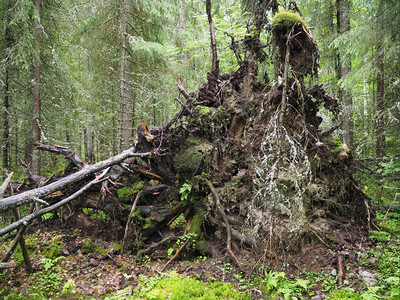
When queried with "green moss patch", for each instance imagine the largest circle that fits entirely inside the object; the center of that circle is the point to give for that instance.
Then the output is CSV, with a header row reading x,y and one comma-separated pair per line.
x,y
287,19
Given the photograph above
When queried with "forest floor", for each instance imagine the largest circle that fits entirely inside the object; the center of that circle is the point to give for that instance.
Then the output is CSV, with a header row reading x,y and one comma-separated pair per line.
x,y
81,264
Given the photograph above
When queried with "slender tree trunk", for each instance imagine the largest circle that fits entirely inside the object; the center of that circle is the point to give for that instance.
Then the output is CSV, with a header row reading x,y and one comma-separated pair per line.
x,y
181,29
343,68
36,92
6,106
125,108
380,107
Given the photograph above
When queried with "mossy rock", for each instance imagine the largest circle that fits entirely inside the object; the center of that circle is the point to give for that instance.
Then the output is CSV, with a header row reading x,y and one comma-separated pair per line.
x,y
191,156
287,19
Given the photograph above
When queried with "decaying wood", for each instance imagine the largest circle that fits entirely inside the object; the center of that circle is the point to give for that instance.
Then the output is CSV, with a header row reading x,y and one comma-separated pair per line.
x,y
155,246
40,180
7,265
19,237
128,223
33,195
340,266
5,184
224,217
68,153
29,218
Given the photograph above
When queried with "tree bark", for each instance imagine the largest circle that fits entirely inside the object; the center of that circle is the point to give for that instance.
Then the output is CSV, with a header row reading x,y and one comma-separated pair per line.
x,y
342,69
125,126
6,105
380,107
36,91
215,62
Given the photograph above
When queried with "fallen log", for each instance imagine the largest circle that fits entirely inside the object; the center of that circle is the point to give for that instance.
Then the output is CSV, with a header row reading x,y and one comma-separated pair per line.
x,y
35,194
29,218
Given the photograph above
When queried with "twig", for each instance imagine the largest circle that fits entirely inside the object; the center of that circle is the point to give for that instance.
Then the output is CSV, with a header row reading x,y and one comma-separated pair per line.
x,y
225,218
176,254
394,200
155,246
340,267
129,221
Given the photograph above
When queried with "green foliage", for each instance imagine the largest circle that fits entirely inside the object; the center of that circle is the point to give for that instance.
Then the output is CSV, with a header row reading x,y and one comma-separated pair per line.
x,y
48,281
125,193
185,191
69,288
343,295
287,19
175,287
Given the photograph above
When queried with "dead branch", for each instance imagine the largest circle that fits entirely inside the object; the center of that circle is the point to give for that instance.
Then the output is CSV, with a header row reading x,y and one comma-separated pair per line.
x,y
68,153
28,196
129,221
182,89
175,255
340,266
7,265
224,217
29,218
156,245
5,184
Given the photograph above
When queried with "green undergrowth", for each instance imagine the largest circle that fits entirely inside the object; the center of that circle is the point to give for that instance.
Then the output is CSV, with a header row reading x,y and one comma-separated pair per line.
x,y
176,287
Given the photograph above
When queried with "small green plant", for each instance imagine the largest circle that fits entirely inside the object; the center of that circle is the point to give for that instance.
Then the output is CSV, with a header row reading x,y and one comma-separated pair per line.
x,y
69,288
185,191
49,280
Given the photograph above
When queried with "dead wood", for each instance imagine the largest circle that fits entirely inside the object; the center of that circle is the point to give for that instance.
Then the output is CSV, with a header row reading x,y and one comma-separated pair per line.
x,y
29,218
5,184
340,266
228,228
35,194
128,223
7,265
68,153
175,255
155,246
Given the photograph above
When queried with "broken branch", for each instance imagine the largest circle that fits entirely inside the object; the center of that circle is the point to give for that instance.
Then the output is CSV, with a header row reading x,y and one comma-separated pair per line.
x,y
28,196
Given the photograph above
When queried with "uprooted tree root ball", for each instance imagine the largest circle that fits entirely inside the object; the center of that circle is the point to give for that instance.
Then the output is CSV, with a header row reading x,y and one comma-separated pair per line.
x,y
241,164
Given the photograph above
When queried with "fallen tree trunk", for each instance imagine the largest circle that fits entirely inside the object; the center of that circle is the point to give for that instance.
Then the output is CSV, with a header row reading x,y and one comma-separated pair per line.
x,y
34,195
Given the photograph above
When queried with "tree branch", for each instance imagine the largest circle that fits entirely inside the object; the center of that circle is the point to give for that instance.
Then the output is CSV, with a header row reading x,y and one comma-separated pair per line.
x,y
29,196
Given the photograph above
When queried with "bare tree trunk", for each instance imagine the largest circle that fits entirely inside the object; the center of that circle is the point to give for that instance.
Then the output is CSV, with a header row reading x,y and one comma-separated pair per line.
x,y
36,93
125,108
6,105
380,108
343,68
182,26
215,62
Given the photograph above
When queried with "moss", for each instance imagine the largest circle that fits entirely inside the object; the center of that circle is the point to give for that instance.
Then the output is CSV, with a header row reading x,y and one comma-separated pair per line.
x,y
90,247
125,194
287,19
54,250
195,229
175,287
